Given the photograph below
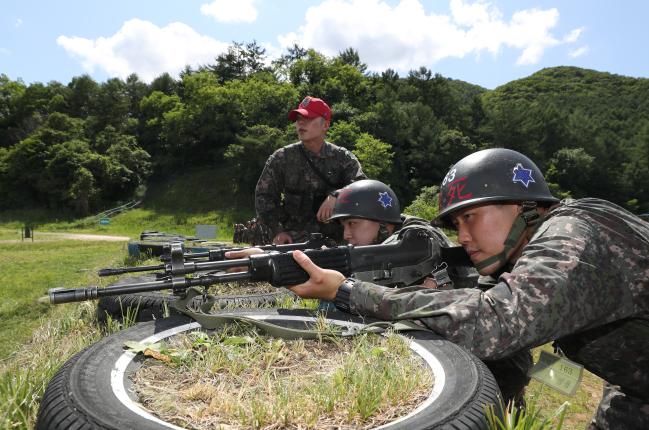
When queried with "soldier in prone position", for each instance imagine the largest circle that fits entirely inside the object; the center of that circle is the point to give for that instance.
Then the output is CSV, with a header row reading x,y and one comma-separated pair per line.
x,y
370,214
575,272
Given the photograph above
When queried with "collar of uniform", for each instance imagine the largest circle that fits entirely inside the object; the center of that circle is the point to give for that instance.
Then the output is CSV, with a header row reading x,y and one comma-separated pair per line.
x,y
325,151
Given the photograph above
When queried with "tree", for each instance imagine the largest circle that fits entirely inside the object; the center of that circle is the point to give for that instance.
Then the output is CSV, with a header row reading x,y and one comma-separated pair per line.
x,y
374,155
344,134
350,56
83,96
571,169
281,66
239,62
435,92
264,100
136,90
113,105
11,92
165,84
82,191
65,162
246,157
425,205
152,110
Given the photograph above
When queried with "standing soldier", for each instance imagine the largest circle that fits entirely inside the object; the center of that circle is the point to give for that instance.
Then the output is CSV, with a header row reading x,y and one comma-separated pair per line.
x,y
296,191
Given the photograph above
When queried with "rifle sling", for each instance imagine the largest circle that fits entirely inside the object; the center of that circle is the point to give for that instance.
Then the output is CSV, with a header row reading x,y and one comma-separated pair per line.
x,y
215,321
315,169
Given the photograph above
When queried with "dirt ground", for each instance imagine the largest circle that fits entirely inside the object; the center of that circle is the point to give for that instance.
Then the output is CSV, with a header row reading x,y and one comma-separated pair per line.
x,y
50,236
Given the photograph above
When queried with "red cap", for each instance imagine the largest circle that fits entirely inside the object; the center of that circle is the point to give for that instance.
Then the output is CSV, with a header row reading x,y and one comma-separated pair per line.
x,y
311,107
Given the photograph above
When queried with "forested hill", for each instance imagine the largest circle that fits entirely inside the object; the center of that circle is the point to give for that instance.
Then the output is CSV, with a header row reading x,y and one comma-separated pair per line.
x,y
84,145
589,130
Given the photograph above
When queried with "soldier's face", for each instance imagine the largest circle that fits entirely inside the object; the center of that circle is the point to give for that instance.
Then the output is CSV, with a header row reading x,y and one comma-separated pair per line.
x,y
482,231
311,128
359,231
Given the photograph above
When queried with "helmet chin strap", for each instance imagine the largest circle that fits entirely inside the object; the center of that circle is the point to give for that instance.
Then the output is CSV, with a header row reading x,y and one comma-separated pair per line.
x,y
529,217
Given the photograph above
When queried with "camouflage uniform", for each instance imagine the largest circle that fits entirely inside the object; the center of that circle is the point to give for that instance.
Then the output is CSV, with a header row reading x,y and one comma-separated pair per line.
x,y
582,280
510,372
289,192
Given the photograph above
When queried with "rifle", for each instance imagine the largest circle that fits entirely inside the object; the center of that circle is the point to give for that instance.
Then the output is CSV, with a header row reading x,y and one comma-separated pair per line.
x,y
316,240
403,262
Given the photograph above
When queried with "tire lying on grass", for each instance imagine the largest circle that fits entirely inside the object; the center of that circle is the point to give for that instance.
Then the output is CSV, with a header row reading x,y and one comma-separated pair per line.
x,y
147,306
91,390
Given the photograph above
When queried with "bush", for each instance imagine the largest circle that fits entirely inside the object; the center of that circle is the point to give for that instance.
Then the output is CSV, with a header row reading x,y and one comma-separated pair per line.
x,y
425,204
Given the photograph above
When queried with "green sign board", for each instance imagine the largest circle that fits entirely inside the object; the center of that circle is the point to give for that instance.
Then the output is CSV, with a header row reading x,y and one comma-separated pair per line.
x,y
104,221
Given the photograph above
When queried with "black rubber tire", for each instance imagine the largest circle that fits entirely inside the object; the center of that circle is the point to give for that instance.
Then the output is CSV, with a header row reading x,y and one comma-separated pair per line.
x,y
155,305
91,390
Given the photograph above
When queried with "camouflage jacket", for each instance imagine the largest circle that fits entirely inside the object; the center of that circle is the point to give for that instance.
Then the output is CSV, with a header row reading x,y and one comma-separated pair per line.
x,y
583,279
289,192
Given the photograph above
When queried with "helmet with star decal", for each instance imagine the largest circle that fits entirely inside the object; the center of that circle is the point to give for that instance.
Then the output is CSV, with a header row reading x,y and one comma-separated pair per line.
x,y
492,175
368,199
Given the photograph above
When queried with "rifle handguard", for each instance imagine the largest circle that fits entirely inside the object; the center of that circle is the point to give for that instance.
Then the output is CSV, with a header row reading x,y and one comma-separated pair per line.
x,y
281,270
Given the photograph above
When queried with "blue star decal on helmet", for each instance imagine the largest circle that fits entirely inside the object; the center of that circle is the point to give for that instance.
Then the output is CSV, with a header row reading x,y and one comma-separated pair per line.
x,y
385,199
522,175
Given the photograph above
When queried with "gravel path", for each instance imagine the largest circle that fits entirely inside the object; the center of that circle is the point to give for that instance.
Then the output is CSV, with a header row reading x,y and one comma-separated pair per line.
x,y
44,236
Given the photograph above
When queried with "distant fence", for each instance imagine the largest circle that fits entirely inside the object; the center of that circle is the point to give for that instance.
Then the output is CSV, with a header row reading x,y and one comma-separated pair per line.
x,y
119,209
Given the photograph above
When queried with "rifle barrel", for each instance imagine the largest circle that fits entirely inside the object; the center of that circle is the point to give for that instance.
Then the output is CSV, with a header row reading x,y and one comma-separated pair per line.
x,y
121,270
69,295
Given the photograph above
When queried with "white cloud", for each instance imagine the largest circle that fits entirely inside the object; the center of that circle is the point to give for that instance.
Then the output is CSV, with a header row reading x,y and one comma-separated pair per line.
x,y
579,51
404,36
231,10
144,48
573,35
18,22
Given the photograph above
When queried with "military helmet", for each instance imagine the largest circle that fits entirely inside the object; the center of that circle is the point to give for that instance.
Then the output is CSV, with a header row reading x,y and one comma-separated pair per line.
x,y
492,175
368,199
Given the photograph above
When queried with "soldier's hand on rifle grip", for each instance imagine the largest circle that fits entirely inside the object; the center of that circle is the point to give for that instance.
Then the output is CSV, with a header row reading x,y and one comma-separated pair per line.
x,y
322,284
242,253
326,209
429,283
282,238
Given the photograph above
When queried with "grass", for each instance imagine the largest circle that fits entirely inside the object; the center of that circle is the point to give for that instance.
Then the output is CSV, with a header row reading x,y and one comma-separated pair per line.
x,y
23,378
29,269
529,419
581,406
28,328
133,222
352,383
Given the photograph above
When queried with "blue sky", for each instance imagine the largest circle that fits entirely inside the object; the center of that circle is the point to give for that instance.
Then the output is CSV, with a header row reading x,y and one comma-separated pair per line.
x,y
487,43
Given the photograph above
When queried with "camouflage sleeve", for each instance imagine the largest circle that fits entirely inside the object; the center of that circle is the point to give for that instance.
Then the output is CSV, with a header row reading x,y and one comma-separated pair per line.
x,y
351,168
268,193
559,286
